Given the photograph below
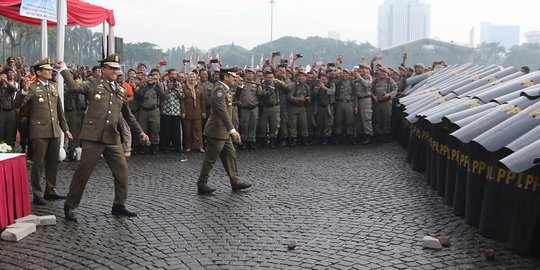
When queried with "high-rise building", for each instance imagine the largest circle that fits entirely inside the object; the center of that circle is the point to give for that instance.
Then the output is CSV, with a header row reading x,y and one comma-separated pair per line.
x,y
401,21
506,35
532,37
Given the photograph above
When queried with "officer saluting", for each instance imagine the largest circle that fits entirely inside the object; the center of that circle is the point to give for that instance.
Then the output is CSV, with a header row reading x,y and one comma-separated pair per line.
x,y
99,135
218,132
47,121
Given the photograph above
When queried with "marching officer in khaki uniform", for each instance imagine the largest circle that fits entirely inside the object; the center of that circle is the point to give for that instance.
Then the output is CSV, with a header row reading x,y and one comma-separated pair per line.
x,y
384,89
248,101
364,126
99,134
297,98
47,121
219,131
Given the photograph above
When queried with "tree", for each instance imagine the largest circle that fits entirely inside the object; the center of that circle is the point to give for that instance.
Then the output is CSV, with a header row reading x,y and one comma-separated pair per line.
x,y
489,53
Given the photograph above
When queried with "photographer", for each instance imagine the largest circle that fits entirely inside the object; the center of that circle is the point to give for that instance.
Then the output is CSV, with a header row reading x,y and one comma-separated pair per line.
x,y
170,114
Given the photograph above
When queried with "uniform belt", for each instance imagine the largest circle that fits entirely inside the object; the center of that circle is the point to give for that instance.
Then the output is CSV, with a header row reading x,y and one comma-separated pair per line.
x,y
7,110
150,109
363,97
249,107
235,103
383,101
324,106
345,101
271,105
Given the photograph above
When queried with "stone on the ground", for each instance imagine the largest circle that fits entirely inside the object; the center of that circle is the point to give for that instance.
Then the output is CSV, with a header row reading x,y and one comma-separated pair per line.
x,y
443,240
47,220
17,231
431,242
28,219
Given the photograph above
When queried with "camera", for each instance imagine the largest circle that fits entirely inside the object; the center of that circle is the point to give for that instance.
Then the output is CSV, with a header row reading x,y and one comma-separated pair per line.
x,y
267,61
331,64
201,62
276,53
317,81
185,61
299,55
213,61
284,61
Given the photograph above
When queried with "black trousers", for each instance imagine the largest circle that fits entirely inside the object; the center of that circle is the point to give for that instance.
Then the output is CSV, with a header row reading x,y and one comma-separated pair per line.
x,y
170,132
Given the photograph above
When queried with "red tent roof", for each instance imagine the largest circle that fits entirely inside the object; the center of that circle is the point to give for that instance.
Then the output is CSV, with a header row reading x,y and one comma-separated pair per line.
x,y
78,13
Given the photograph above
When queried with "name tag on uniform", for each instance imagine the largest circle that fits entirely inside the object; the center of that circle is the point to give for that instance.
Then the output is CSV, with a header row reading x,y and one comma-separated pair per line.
x,y
39,90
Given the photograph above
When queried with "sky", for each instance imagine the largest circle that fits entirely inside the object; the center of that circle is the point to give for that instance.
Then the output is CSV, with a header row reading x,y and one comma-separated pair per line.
x,y
209,23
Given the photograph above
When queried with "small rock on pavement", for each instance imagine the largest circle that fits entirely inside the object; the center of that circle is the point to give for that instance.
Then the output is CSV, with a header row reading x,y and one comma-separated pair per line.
x,y
431,242
47,220
443,240
490,254
291,245
28,219
17,231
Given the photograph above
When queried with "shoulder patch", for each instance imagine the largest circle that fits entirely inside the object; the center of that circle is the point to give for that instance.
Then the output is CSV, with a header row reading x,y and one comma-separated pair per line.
x,y
219,94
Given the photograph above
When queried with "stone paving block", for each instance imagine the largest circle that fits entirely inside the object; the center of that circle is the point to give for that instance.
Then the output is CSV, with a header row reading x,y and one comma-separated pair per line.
x,y
18,231
431,242
28,219
47,220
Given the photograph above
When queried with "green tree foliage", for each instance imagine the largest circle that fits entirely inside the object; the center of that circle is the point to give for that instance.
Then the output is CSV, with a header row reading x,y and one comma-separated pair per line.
x,y
85,47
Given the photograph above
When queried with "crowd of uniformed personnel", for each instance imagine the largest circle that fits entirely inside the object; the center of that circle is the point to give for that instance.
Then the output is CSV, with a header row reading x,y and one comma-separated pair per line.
x,y
280,104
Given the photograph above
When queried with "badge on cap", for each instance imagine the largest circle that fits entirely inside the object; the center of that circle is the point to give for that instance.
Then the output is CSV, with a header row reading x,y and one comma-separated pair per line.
x,y
116,58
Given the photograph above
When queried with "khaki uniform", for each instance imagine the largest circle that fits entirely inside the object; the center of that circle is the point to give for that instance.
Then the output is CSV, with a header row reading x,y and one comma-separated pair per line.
x,y
346,102
8,116
75,108
297,122
217,134
47,122
383,107
283,90
149,115
99,135
322,105
365,110
248,102
270,116
208,89
193,106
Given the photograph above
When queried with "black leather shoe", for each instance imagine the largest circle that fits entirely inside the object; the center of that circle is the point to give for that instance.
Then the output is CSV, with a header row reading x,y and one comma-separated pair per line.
x,y
243,146
54,196
205,190
120,210
251,145
241,186
69,213
39,200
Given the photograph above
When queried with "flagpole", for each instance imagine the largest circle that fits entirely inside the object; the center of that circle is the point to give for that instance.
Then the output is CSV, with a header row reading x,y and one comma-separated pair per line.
x,y
272,24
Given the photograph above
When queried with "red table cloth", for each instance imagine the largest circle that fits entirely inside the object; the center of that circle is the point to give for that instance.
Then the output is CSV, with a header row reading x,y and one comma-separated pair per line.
x,y
14,194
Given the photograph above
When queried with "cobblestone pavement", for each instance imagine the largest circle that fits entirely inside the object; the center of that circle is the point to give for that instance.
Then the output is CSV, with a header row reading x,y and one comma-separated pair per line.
x,y
346,207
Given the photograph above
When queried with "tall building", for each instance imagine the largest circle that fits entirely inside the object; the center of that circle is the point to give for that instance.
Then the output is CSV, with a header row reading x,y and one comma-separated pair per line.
x,y
506,35
532,37
401,21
